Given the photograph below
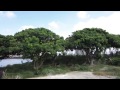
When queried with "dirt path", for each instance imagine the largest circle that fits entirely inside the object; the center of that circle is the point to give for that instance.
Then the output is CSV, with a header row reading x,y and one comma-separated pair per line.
x,y
75,75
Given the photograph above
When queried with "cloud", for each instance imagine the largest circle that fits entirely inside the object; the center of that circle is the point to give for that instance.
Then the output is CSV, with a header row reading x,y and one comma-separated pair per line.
x,y
53,25
82,14
1,12
59,28
8,14
110,23
25,27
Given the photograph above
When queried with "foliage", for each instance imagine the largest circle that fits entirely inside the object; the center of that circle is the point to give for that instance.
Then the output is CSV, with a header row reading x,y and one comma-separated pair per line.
x,y
39,44
2,49
91,40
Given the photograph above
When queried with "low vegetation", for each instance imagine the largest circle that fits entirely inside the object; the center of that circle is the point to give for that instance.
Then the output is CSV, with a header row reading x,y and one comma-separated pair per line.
x,y
25,71
22,71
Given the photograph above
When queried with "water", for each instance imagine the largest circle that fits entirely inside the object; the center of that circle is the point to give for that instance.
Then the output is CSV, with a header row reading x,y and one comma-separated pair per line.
x,y
6,62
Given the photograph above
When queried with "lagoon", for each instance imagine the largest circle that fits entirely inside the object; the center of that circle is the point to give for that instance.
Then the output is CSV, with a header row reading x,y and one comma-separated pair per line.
x,y
9,61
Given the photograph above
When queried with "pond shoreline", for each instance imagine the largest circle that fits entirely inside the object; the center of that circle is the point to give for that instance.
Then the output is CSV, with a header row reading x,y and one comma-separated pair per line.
x,y
12,61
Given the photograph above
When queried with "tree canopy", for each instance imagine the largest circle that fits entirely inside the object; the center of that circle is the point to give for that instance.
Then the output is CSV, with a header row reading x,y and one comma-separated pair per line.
x,y
91,40
38,44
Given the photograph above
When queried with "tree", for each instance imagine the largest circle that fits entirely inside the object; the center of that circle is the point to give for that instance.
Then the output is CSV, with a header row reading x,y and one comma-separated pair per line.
x,y
1,46
113,42
91,40
9,46
38,44
6,44
13,45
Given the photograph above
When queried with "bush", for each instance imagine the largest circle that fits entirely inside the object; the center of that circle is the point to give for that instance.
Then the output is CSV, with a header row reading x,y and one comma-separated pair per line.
x,y
114,61
70,60
78,67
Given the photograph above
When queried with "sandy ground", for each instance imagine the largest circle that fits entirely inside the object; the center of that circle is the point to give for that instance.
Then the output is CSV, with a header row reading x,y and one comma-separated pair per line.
x,y
75,75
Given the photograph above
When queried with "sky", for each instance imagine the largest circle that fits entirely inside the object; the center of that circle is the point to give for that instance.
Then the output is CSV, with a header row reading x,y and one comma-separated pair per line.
x,y
62,23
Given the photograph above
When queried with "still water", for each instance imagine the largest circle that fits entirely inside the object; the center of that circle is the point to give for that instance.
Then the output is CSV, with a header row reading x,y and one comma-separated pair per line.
x,y
6,62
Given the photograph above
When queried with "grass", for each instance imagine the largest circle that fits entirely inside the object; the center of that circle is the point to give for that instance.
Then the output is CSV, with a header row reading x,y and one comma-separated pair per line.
x,y
26,70
108,70
54,70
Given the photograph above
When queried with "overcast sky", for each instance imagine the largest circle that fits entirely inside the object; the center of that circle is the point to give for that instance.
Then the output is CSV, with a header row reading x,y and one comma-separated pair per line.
x,y
61,22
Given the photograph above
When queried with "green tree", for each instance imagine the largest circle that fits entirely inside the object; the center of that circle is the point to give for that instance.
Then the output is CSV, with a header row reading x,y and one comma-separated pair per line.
x,y
39,44
113,42
91,40
2,46
13,46
9,46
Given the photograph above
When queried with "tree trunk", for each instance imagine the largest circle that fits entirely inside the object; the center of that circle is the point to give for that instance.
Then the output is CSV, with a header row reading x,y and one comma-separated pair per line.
x,y
54,60
38,64
87,56
92,62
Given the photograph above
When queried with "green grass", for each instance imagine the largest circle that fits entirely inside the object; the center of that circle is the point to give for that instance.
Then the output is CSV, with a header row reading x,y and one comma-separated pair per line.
x,y
54,70
107,70
26,70
78,67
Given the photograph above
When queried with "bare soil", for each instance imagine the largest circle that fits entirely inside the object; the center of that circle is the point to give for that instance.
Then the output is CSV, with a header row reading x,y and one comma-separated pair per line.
x,y
75,75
